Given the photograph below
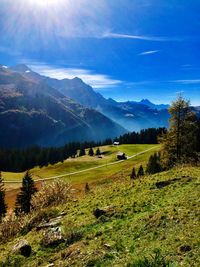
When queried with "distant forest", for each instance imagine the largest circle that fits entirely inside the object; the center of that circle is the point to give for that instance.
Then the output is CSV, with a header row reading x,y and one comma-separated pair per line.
x,y
18,160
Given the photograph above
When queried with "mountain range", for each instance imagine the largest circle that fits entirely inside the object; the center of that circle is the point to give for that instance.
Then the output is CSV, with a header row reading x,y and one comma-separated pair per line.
x,y
32,112
35,109
131,115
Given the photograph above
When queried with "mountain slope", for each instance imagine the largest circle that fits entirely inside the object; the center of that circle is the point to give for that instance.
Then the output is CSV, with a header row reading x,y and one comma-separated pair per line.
x,y
140,217
131,115
31,112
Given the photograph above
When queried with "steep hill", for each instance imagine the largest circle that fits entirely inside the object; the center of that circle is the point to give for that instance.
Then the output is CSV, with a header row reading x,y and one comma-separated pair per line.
x,y
148,222
32,112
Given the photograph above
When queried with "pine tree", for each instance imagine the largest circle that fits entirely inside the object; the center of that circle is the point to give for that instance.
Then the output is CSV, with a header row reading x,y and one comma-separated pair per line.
x,y
87,188
3,206
82,152
154,164
133,174
140,171
91,152
28,189
180,141
98,152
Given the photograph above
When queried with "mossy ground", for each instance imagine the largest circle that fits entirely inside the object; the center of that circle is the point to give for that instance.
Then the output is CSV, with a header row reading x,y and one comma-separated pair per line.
x,y
145,218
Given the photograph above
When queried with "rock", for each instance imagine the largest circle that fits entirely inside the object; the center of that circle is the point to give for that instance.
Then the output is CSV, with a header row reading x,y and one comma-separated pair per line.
x,y
52,223
185,248
53,237
109,211
23,248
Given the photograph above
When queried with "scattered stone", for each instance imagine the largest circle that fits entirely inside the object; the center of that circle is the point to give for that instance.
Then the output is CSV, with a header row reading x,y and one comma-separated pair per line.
x,y
53,237
108,246
185,248
52,223
22,247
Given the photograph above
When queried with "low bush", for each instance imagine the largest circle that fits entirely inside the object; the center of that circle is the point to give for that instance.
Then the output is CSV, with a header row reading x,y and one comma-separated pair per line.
x,y
51,194
11,226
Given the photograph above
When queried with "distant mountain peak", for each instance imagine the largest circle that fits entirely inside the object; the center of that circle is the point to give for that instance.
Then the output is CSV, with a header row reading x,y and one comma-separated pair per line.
x,y
145,101
21,68
148,103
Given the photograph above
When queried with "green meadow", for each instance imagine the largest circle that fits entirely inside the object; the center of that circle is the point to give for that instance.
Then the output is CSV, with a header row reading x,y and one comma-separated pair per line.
x,y
69,166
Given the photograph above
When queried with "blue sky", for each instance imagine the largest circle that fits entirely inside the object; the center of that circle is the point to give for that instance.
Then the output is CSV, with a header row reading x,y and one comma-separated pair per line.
x,y
125,49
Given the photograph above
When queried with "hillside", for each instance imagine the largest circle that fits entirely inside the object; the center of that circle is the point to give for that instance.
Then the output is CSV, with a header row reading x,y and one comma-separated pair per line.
x,y
40,114
159,212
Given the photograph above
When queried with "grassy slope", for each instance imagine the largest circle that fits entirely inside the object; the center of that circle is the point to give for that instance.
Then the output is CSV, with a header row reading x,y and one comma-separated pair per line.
x,y
146,218
81,163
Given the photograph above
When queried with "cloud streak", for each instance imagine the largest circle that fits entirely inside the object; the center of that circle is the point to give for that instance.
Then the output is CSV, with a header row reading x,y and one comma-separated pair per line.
x,y
138,37
97,81
189,81
148,52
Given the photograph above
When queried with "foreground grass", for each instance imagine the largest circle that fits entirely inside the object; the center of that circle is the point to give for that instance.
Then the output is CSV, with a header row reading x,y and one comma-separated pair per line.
x,y
145,218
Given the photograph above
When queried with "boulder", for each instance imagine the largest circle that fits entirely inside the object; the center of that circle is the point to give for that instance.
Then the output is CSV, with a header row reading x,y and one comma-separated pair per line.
x,y
23,248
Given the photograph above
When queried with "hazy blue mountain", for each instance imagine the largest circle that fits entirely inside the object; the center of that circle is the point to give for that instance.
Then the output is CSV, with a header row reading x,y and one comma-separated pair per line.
x,y
131,115
32,112
154,106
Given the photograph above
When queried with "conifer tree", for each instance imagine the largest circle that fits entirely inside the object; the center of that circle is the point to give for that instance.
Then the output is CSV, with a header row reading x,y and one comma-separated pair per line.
x,y
28,189
3,206
91,152
82,152
154,164
180,141
87,188
140,171
98,152
133,174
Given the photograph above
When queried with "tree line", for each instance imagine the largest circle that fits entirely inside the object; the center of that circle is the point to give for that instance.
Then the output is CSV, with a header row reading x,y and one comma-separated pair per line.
x,y
146,136
19,160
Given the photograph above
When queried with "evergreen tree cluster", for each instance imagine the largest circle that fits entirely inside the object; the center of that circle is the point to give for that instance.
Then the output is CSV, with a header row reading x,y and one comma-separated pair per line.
x,y
25,159
139,173
147,136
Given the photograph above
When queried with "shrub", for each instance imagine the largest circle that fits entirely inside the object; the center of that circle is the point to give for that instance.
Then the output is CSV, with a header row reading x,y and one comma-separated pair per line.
x,y
51,194
11,226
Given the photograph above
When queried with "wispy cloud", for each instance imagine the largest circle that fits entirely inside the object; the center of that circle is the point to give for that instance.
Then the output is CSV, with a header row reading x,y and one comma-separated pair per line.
x,y
148,52
97,81
138,37
189,81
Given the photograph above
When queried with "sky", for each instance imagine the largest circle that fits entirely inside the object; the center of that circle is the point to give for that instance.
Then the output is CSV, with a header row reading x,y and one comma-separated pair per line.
x,y
125,49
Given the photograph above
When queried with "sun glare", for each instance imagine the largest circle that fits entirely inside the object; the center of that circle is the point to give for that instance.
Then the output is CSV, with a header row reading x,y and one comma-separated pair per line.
x,y
44,3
